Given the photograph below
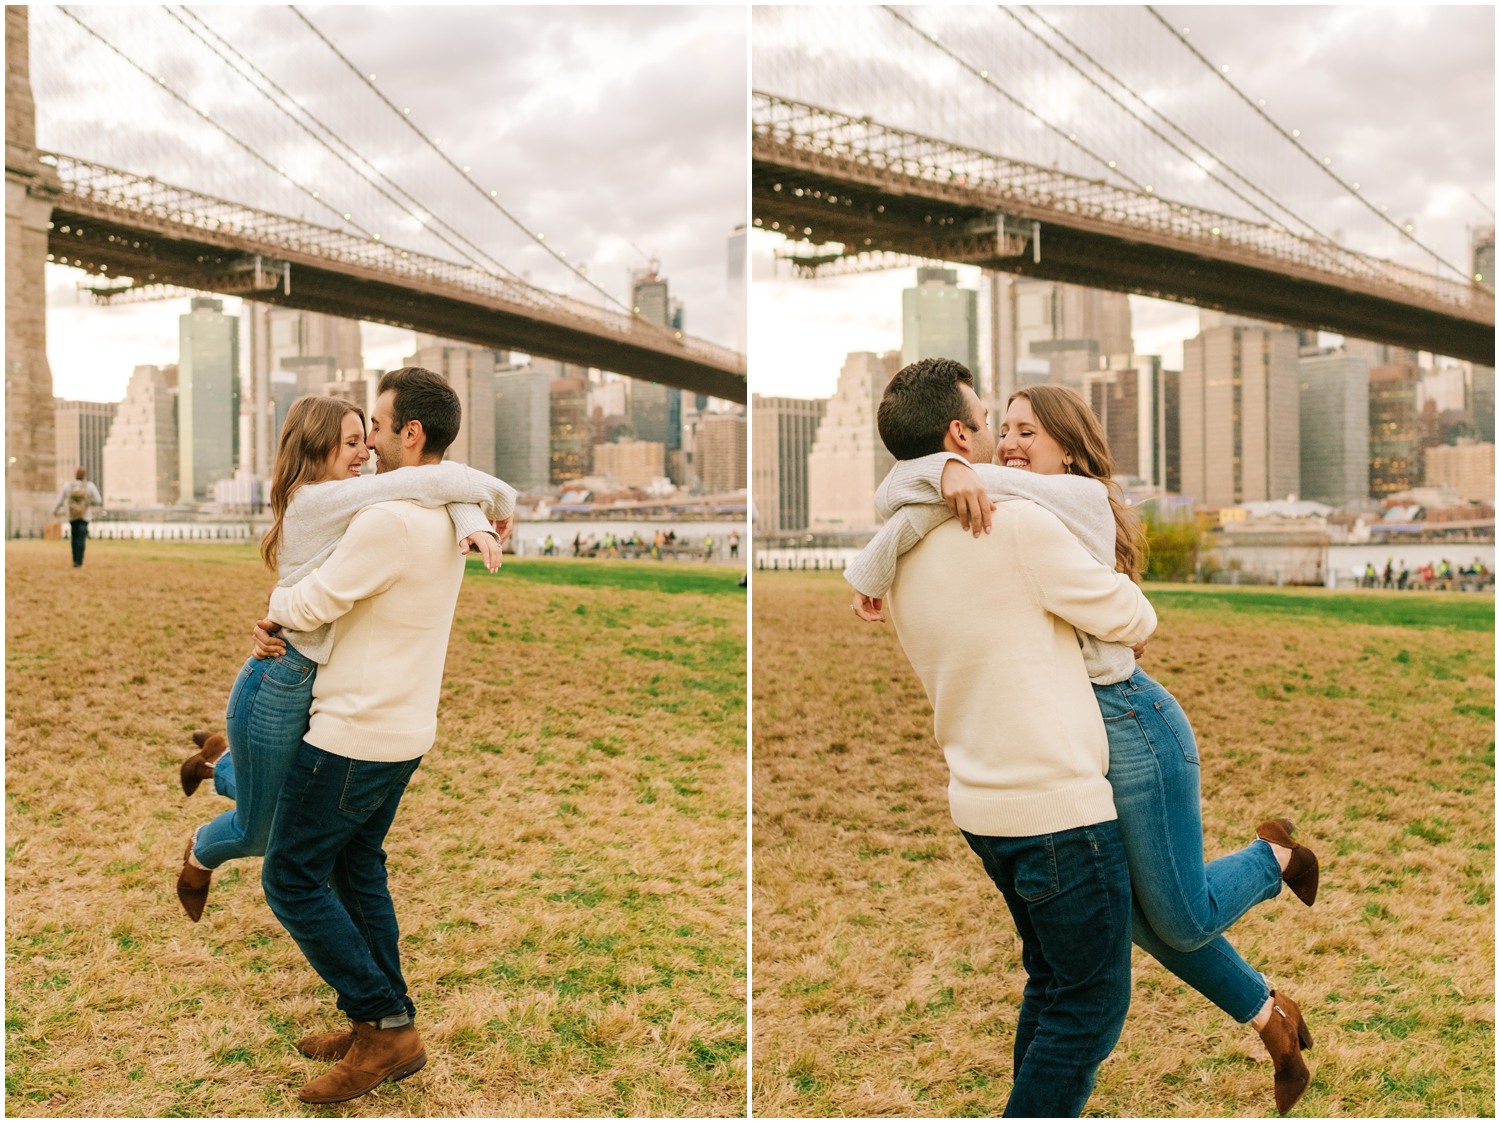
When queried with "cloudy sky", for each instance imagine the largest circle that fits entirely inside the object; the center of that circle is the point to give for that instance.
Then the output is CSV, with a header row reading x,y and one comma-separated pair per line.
x,y
617,132
1400,99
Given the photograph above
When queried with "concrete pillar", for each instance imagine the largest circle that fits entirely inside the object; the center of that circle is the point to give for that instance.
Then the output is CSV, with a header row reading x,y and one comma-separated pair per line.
x,y
30,421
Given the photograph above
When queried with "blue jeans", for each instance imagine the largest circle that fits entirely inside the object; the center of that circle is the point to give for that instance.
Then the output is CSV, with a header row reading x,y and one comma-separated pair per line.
x,y
324,876
1069,894
1182,906
265,721
78,535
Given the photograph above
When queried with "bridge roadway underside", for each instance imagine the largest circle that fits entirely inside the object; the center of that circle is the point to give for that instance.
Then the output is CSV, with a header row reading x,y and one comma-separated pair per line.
x,y
933,227
330,288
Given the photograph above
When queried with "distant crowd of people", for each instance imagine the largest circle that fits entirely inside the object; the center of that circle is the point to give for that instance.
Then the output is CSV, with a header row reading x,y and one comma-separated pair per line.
x,y
663,543
1397,575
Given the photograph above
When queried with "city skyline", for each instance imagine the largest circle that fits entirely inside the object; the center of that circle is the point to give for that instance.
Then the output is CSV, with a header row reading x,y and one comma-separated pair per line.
x,y
1402,100
570,133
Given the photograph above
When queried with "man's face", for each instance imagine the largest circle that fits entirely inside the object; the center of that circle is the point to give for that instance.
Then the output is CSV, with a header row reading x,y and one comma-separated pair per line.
x,y
384,439
981,437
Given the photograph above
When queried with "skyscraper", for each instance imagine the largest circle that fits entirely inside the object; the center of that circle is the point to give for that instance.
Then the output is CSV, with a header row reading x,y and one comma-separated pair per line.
x,y
738,278
722,452
278,337
655,410
1394,438
1126,397
782,430
208,398
471,373
1068,328
1481,403
568,438
82,428
848,459
1240,416
939,319
140,455
1335,427
522,408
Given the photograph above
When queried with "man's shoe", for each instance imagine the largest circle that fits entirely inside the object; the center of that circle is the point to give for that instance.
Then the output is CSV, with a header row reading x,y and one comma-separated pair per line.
x,y
376,1055
192,886
200,766
326,1046
1285,1037
1301,873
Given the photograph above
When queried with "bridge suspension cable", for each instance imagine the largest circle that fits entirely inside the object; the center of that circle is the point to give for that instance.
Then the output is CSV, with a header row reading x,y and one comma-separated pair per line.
x,y
242,144
984,76
1217,159
1071,138
412,206
489,196
1290,136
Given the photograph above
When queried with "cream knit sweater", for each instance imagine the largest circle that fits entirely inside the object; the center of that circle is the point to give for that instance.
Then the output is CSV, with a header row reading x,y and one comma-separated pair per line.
x,y
988,625
911,499
319,513
392,584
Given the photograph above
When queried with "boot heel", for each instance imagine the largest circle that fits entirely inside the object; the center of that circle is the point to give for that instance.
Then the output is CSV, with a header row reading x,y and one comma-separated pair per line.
x,y
411,1066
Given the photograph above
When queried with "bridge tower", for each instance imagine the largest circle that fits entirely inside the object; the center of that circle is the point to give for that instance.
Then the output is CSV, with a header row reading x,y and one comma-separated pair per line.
x,y
30,422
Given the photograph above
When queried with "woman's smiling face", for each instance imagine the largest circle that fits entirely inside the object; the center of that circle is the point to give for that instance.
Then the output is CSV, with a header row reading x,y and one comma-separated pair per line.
x,y
1025,444
350,453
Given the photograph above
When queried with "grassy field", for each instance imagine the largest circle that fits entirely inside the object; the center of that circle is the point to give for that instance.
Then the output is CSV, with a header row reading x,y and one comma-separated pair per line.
x,y
887,970
568,864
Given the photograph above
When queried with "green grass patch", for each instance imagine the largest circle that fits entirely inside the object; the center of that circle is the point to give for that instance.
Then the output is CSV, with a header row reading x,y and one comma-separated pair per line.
x,y
1459,611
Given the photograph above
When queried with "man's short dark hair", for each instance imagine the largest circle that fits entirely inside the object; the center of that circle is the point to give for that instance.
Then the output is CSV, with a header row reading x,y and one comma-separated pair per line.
x,y
425,396
919,404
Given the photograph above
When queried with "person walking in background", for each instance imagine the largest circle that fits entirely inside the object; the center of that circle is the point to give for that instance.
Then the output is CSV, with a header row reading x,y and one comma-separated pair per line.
x,y
734,543
77,496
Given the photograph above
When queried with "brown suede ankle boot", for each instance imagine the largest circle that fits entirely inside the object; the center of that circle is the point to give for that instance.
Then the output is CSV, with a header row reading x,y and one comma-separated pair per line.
x,y
375,1056
1301,873
199,767
192,885
1285,1036
326,1046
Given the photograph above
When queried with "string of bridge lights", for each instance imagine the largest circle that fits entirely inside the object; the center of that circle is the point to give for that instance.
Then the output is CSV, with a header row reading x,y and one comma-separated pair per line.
x,y
249,149
1294,137
490,196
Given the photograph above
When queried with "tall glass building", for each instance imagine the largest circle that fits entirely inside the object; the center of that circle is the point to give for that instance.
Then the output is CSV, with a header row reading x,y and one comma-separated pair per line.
x,y
940,320
208,398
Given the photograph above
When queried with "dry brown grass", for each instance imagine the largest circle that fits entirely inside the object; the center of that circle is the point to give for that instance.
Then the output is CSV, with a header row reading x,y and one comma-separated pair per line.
x,y
568,864
886,967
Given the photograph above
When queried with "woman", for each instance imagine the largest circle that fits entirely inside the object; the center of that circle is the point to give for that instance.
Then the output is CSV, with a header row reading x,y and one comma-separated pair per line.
x,y
1182,906
316,489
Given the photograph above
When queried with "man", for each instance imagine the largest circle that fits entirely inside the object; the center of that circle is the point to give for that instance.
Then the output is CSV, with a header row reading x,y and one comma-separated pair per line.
x,y
392,584
78,495
988,625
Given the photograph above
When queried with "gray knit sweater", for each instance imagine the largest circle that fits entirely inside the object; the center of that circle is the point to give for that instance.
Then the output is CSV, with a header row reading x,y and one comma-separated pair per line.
x,y
318,515
911,499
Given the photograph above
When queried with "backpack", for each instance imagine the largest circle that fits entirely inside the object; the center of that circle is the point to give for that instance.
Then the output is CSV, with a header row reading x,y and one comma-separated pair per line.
x,y
78,501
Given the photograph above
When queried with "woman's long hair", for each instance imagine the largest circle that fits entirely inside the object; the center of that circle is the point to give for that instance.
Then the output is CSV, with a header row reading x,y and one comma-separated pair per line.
x,y
1072,424
312,430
